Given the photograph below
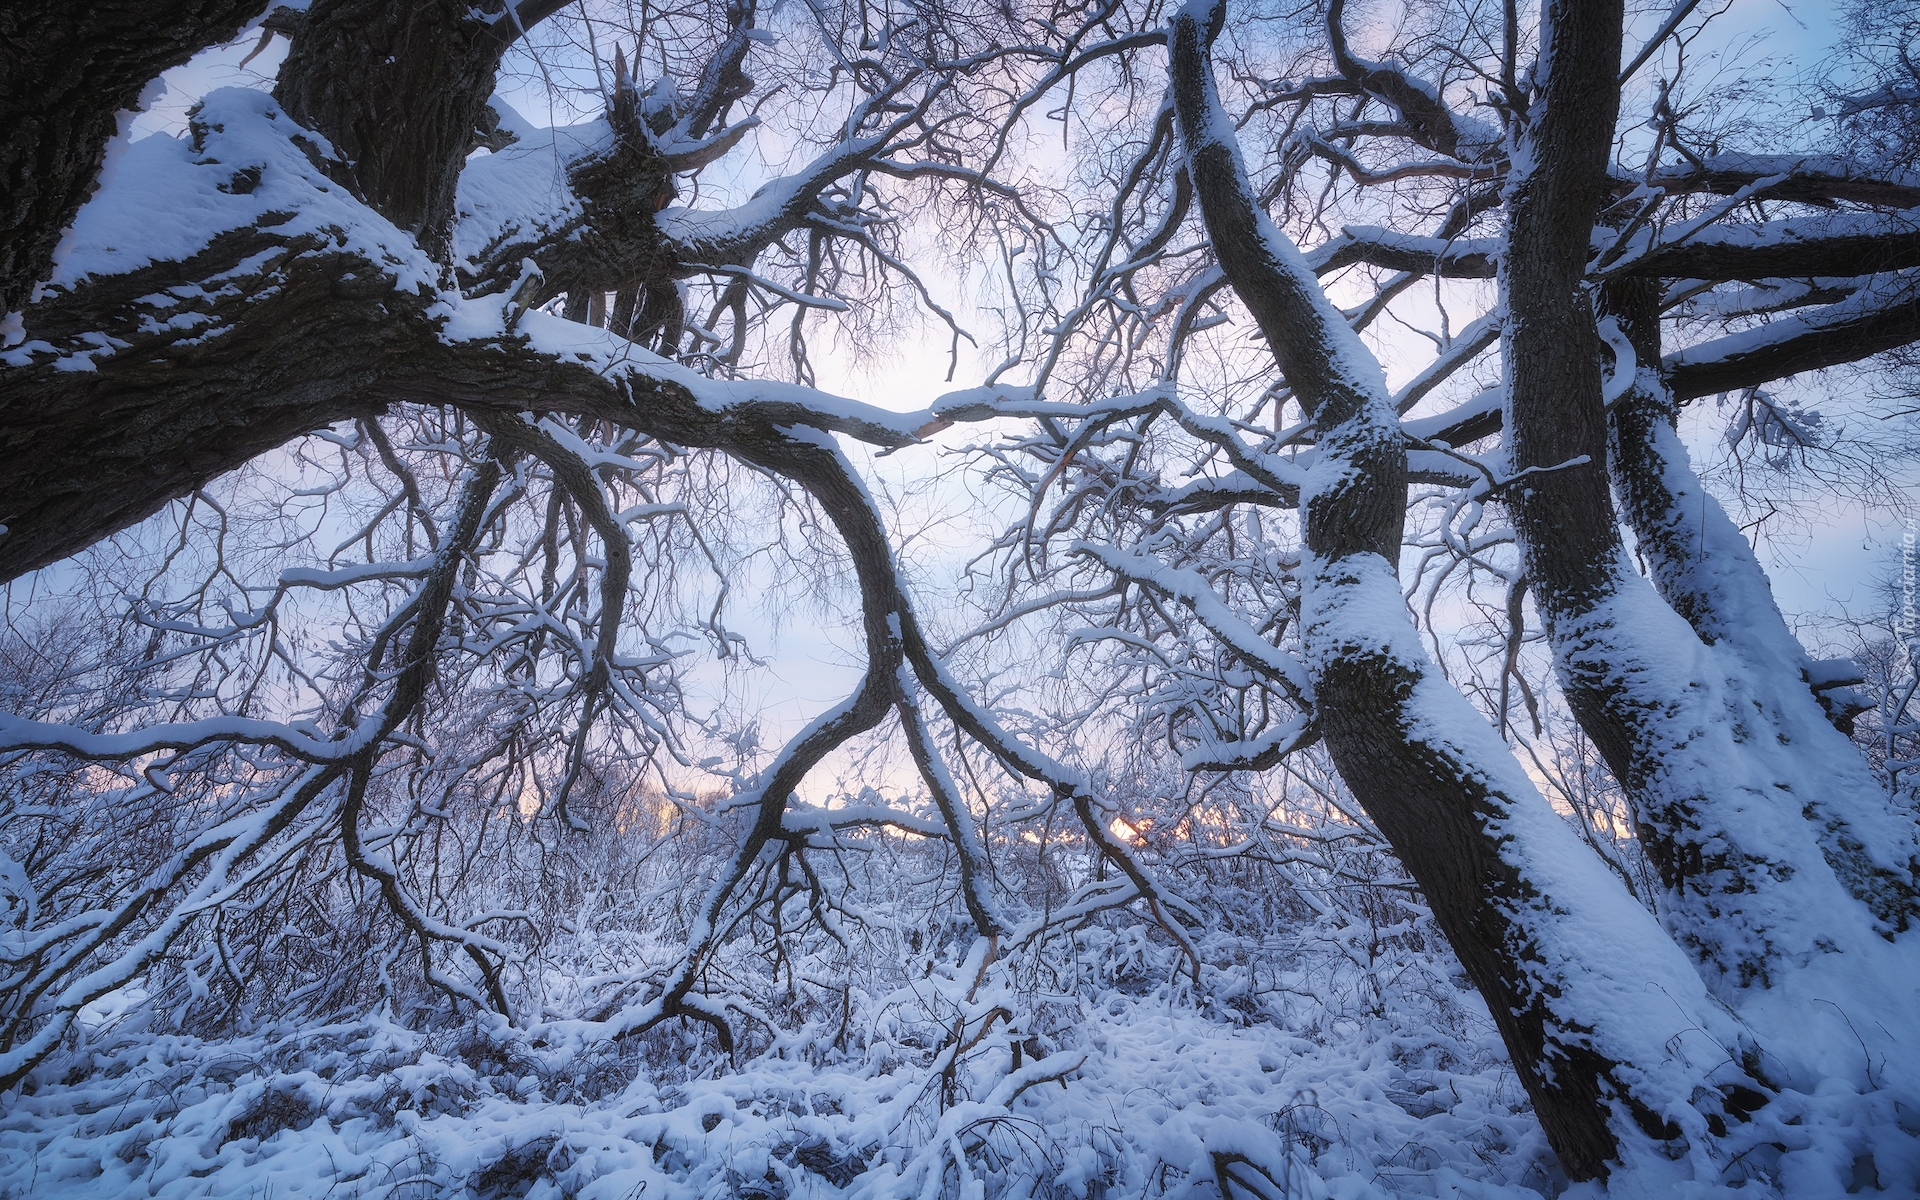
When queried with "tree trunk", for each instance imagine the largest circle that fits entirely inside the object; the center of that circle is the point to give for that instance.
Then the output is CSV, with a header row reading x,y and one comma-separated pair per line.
x,y
1717,760
1540,926
67,72
130,388
399,90
1704,568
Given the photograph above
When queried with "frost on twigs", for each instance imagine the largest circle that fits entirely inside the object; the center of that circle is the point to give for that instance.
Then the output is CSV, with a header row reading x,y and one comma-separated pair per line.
x,y
401,789
1340,1052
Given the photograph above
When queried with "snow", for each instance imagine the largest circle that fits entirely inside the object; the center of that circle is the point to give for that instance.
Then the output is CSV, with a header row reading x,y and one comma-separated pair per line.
x,y
1764,775
1713,232
1381,1089
1400,243
246,166
1614,972
1308,1058
1338,1079
1876,293
520,192
17,733
1193,591
1336,344
250,163
1789,165
1610,977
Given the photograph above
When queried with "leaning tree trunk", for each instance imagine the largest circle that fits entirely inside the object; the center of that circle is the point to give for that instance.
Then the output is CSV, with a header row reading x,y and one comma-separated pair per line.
x,y
1707,572
1784,874
1544,931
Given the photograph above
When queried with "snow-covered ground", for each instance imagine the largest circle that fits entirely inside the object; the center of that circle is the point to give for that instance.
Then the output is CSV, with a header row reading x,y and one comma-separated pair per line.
x,y
1341,1060
1144,1094
1325,1044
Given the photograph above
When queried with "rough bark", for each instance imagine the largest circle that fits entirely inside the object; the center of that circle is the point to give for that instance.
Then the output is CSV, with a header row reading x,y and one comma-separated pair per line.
x,y
1729,812
399,90
87,453
1429,122
299,334
1832,337
615,244
1556,429
308,334
1555,416
1706,572
1808,251
66,73
182,383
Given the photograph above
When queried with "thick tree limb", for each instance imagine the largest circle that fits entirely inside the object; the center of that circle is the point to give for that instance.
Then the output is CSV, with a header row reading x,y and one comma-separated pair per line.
x,y
135,385
1823,247
1449,258
1882,316
1429,121
1811,179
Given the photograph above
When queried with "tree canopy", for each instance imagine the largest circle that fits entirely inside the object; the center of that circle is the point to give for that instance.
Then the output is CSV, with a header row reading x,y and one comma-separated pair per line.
x,y
387,471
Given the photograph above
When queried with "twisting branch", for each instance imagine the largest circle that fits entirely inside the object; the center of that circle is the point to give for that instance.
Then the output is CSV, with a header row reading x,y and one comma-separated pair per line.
x,y
1429,121
418,663
974,875
573,475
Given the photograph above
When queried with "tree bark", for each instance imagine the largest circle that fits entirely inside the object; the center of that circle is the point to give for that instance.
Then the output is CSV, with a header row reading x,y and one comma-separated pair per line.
x,y
67,72
1728,810
1705,570
399,90
1492,860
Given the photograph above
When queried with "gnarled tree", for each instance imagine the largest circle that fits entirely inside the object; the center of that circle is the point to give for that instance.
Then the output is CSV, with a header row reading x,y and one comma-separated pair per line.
x,y
480,351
